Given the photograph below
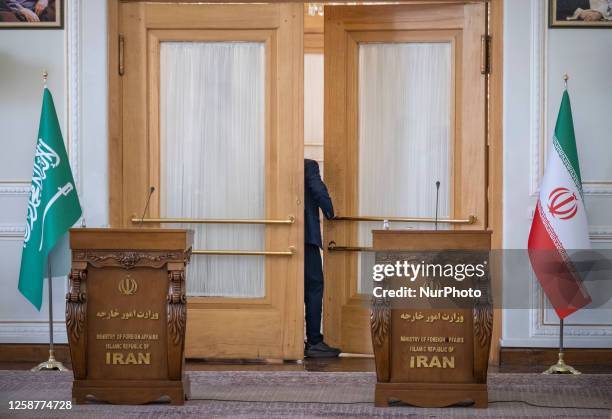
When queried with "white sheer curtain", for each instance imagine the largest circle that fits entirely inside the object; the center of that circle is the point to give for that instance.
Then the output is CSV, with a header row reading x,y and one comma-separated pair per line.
x,y
212,123
313,98
404,136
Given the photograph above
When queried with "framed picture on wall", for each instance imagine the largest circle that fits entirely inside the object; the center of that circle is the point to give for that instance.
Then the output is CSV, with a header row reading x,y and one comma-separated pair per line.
x,y
31,14
580,13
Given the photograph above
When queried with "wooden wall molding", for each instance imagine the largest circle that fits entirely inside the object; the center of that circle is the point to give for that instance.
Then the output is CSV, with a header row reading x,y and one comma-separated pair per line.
x,y
495,138
595,357
115,149
32,332
32,352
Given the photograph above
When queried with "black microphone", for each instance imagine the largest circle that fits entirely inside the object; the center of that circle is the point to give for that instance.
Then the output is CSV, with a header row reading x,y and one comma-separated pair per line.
x,y
437,201
151,190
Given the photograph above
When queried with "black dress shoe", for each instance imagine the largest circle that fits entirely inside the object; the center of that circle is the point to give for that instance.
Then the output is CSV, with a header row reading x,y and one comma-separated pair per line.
x,y
320,350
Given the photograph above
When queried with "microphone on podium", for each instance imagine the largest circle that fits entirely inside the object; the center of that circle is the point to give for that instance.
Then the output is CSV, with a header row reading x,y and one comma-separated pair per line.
x,y
151,190
437,202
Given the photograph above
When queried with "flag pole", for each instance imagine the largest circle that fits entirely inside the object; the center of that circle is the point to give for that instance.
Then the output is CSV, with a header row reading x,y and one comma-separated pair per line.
x,y
51,363
561,367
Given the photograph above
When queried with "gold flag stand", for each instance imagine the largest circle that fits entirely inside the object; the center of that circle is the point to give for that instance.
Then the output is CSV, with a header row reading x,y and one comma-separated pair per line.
x,y
51,363
561,367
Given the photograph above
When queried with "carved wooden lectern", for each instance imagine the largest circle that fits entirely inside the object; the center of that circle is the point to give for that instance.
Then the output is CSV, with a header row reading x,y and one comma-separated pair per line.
x,y
126,314
432,352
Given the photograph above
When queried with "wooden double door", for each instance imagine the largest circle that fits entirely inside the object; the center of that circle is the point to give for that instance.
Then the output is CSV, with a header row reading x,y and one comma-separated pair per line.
x,y
206,107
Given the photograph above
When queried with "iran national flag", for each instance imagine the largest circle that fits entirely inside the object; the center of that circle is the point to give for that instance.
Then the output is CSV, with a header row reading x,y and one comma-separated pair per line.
x,y
560,222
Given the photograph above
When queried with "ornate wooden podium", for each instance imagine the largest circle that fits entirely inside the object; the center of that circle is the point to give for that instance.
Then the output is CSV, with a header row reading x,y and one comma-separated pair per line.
x,y
432,354
126,314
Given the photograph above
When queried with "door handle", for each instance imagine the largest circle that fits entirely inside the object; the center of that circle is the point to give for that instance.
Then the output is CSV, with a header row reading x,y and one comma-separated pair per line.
x,y
333,247
470,220
169,220
289,252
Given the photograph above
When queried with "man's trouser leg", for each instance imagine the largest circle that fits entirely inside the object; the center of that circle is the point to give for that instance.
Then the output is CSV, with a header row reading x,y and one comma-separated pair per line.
x,y
313,293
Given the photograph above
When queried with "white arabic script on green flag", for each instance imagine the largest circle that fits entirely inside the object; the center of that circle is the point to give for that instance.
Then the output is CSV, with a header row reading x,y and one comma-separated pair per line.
x,y
53,206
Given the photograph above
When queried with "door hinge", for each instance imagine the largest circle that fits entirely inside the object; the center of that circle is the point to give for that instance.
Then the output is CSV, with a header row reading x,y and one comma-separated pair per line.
x,y
485,54
121,54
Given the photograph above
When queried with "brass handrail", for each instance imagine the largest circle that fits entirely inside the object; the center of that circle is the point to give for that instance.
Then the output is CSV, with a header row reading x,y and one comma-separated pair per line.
x,y
470,220
333,247
136,220
289,252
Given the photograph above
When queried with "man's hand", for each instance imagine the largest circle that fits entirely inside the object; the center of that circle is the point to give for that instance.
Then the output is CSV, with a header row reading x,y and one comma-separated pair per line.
x,y
40,7
29,15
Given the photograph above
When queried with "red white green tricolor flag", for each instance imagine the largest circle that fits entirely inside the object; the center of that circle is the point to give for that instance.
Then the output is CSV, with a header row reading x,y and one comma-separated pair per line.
x,y
560,222
53,206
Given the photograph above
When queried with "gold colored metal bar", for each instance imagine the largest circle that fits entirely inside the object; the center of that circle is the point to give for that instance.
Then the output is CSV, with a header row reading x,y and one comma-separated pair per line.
x,y
485,54
333,247
121,54
290,252
470,220
349,249
136,220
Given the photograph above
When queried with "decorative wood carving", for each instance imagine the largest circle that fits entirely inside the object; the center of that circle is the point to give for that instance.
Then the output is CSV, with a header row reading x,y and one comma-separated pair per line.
x,y
482,318
482,314
177,313
76,311
483,323
380,325
76,304
380,314
130,259
176,319
380,320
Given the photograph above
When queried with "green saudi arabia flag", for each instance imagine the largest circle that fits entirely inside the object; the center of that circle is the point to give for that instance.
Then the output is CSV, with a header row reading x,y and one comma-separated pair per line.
x,y
53,206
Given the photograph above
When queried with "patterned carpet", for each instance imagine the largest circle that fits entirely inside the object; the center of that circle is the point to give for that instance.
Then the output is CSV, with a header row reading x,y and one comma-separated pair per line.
x,y
317,394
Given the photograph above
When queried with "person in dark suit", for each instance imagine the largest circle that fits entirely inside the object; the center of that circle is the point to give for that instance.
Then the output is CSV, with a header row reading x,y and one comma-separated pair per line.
x,y
315,197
